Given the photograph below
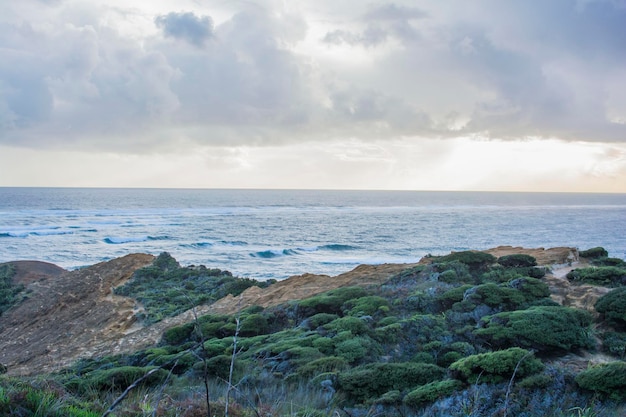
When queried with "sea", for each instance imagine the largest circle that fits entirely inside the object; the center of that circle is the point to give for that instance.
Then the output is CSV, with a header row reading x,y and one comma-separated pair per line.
x,y
264,234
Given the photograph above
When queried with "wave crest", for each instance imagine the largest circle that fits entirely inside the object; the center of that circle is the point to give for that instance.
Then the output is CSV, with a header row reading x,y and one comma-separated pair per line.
x,y
273,253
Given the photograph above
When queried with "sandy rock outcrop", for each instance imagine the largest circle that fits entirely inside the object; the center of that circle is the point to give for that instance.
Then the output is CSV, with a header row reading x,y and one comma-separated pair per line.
x,y
67,315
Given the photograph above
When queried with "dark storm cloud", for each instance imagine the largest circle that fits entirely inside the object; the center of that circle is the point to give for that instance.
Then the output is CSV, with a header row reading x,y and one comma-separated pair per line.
x,y
196,30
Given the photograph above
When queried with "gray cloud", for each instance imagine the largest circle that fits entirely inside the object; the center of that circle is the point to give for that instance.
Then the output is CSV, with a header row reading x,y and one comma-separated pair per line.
x,y
394,12
196,30
502,70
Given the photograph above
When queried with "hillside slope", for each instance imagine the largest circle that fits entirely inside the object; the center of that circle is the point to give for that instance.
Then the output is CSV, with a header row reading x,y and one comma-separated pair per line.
x,y
72,315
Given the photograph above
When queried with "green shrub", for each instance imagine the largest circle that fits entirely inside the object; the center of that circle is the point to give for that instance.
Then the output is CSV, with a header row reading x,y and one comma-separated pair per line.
x,y
367,306
613,306
325,345
492,295
531,288
178,334
501,274
368,382
215,347
8,291
539,328
609,262
322,365
253,325
388,334
517,261
541,380
452,272
451,296
608,379
329,302
217,366
424,328
607,276
497,366
393,397
473,259
354,325
431,392
355,349
118,378
321,319
166,289
614,343
594,253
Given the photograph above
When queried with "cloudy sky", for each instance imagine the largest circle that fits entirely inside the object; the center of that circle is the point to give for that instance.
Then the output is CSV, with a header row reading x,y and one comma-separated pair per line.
x,y
423,95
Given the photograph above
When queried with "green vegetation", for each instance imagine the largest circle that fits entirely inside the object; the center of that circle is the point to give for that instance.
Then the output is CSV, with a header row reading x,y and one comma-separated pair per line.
x,y
474,260
370,381
497,366
166,289
593,253
613,306
465,335
607,379
9,293
432,391
542,328
606,276
517,261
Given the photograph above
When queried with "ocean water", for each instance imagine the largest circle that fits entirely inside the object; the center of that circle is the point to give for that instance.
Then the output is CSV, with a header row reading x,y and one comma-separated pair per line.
x,y
278,233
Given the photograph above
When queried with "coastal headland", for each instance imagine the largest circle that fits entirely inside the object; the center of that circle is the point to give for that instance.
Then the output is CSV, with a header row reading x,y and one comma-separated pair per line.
x,y
493,331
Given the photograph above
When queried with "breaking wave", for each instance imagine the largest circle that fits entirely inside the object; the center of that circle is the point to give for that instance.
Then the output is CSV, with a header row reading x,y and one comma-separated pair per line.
x,y
132,239
273,253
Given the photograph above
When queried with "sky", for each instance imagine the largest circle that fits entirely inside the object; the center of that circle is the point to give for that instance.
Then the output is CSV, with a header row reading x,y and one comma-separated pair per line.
x,y
404,95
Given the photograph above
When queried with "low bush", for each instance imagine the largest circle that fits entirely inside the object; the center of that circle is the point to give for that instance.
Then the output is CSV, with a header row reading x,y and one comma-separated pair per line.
x,y
321,319
532,288
614,343
473,259
594,253
607,276
116,379
453,272
166,289
329,302
608,262
607,379
367,306
431,392
492,295
355,349
454,295
323,365
612,306
354,325
517,261
501,274
367,382
254,325
496,366
540,328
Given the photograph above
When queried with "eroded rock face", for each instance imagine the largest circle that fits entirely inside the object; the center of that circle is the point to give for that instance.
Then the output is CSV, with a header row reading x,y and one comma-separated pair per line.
x,y
67,314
